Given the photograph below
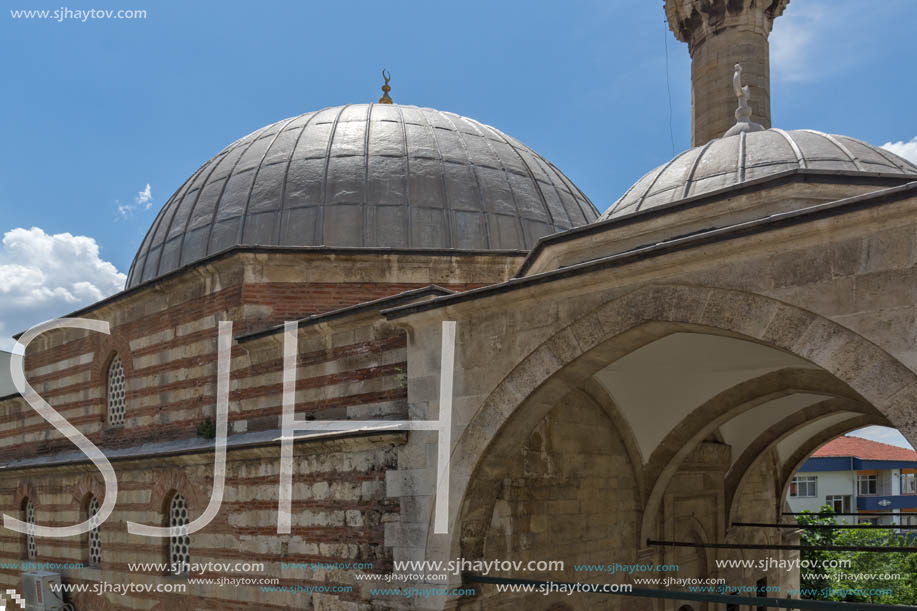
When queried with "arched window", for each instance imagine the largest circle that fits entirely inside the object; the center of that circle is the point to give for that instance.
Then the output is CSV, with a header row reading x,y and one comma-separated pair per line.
x,y
116,392
179,545
95,538
28,516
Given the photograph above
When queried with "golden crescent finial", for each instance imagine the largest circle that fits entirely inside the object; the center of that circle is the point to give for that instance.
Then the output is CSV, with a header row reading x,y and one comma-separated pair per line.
x,y
385,99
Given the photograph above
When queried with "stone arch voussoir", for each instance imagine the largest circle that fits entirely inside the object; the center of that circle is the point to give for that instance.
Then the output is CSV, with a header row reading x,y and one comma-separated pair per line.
x,y
172,481
86,485
26,489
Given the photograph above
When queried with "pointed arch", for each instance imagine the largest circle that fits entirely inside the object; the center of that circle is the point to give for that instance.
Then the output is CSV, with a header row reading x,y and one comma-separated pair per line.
x,y
574,353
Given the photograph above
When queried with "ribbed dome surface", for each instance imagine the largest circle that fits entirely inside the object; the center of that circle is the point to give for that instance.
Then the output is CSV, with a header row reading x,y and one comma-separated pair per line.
x,y
364,175
730,161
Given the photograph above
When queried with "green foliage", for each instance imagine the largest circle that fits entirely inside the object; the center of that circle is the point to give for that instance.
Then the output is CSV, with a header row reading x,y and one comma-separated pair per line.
x,y
826,536
207,428
903,587
875,564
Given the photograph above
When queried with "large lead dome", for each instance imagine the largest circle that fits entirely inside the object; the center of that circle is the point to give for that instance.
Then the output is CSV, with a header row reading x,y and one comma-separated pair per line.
x,y
364,176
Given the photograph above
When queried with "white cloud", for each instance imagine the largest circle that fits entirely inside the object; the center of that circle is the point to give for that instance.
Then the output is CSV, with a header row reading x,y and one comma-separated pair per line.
x,y
791,44
45,276
883,434
144,200
908,150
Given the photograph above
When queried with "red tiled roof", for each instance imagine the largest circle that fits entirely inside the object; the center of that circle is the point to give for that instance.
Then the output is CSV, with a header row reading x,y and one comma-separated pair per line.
x,y
864,449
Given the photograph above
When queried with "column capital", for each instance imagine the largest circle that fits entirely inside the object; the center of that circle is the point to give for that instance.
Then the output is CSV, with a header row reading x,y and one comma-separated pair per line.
x,y
692,21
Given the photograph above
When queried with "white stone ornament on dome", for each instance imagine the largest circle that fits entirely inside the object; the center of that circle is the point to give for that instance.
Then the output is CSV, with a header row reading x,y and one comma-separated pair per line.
x,y
743,112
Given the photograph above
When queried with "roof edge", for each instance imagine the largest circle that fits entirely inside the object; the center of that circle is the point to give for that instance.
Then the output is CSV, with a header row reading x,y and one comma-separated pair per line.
x,y
728,232
190,446
366,306
127,292
785,177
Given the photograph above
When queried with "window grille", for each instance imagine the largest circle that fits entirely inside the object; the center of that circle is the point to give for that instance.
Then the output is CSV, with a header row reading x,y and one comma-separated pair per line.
x,y
116,392
31,548
179,545
95,539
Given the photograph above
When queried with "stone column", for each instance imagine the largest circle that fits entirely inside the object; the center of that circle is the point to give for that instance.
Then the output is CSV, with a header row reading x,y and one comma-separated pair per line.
x,y
721,34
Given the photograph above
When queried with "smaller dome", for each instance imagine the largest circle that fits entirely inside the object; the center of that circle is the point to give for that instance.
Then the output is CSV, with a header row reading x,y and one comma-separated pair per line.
x,y
733,160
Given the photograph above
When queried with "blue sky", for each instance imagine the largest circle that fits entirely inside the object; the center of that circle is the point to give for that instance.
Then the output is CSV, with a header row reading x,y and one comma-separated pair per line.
x,y
105,118
97,110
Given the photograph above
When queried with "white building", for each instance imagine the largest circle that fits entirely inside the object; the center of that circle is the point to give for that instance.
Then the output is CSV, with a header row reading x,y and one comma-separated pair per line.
x,y
859,476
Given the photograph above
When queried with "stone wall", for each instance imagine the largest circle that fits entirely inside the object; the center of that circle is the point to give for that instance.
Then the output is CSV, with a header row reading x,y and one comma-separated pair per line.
x,y
170,363
338,507
836,291
570,496
166,336
758,501
833,288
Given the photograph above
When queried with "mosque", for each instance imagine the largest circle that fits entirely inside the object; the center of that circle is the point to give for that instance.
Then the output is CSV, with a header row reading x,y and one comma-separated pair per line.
x,y
630,388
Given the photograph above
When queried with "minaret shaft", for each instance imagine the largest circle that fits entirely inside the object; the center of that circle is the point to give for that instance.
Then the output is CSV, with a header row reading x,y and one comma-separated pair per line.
x,y
721,34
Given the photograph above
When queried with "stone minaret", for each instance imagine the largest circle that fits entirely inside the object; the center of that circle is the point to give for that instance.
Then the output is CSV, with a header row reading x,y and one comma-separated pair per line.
x,y
721,34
